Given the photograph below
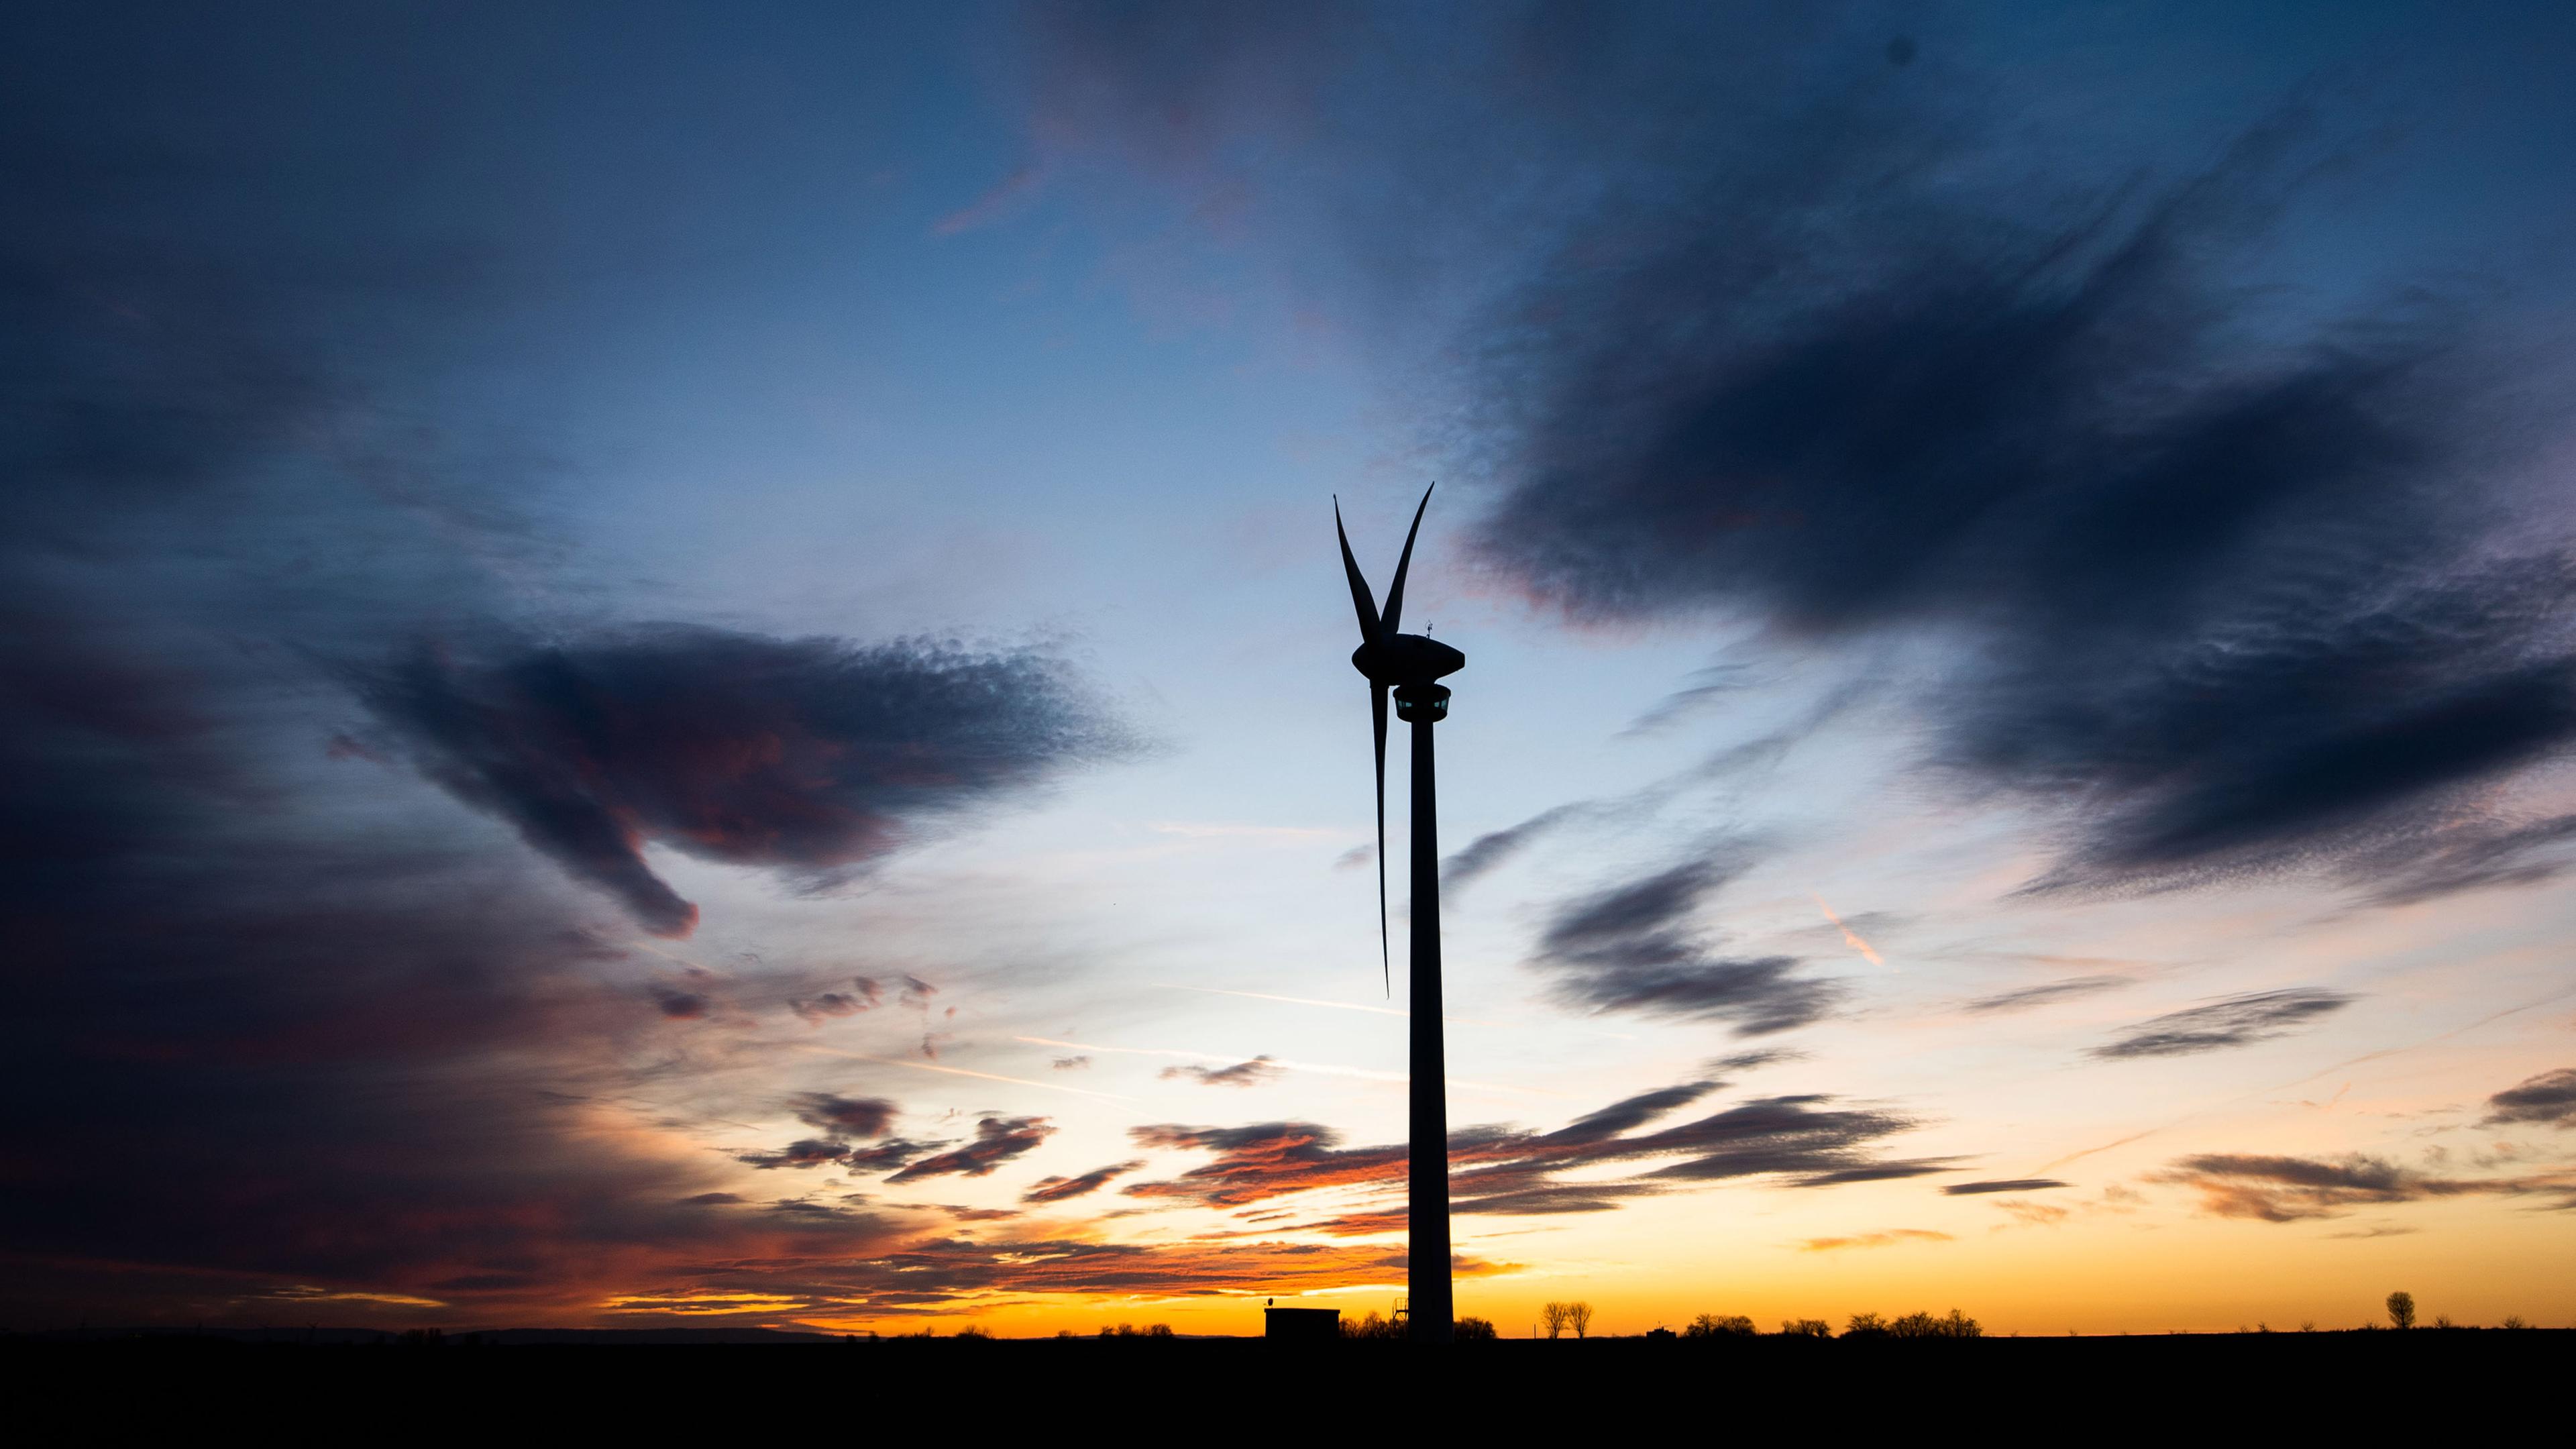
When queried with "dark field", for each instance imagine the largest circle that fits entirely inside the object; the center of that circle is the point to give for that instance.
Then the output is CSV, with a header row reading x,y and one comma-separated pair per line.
x,y
1242,1388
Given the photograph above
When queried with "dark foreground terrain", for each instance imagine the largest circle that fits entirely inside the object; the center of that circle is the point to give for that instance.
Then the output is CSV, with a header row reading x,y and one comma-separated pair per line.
x,y
526,1384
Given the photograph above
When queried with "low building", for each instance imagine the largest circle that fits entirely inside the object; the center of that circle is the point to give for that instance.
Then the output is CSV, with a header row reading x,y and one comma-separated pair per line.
x,y
1301,1325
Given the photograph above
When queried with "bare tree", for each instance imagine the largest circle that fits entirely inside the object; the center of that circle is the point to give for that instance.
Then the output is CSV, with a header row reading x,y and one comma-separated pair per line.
x,y
1578,1316
2401,1309
1553,1315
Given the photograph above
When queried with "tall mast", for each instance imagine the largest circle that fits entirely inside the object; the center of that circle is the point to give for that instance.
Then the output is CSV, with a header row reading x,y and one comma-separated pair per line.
x,y
1431,1309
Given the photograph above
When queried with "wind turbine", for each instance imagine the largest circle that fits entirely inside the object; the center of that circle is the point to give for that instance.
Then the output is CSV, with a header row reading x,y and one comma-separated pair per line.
x,y
1410,666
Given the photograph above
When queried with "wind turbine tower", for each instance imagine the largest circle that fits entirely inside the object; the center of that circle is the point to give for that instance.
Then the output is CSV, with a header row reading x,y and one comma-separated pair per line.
x,y
1410,666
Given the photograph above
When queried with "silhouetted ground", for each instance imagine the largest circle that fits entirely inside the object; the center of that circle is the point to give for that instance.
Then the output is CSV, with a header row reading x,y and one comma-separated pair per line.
x,y
543,1382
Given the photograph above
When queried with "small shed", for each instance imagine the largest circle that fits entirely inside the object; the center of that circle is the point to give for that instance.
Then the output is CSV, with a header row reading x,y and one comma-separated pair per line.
x,y
1301,1325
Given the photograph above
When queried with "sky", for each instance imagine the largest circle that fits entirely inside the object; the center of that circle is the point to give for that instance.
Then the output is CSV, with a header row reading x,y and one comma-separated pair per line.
x,y
685,664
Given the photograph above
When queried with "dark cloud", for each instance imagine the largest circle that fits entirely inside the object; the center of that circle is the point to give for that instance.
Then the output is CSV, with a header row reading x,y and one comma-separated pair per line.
x,y
2548,1098
997,1140
680,1005
1071,1064
892,1153
1057,1189
2237,1021
839,1119
2239,562
864,995
2293,1189
2010,1184
1800,1140
2047,993
713,1199
1242,1074
2237,595
804,1152
844,1116
814,756
1633,948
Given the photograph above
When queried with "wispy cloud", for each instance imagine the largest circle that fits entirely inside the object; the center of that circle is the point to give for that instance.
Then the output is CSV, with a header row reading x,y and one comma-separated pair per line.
x,y
1892,1237
2294,1189
1059,1189
2047,993
2237,1021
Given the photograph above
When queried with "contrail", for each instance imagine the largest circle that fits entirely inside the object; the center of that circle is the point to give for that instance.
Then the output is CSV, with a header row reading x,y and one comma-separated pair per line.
x,y
960,1072
1322,1068
1355,1006
1293,1000
1851,937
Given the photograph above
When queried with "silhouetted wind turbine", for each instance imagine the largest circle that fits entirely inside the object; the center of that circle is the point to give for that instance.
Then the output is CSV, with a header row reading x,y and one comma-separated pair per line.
x,y
1411,665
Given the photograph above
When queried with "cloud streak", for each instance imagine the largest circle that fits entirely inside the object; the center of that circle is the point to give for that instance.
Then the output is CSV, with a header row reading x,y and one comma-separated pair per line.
x,y
2296,1189
1801,1141
997,1140
2548,1099
2235,1022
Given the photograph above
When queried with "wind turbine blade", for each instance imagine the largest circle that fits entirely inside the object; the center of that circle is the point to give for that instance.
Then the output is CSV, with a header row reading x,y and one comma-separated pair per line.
x,y
1361,598
1385,958
1395,591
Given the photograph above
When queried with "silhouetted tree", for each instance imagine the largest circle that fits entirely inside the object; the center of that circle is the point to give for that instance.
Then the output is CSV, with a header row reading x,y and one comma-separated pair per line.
x,y
1472,1330
1159,1330
1806,1328
1578,1316
1372,1325
2401,1310
1710,1325
2514,1320
1924,1325
1865,1325
1552,1316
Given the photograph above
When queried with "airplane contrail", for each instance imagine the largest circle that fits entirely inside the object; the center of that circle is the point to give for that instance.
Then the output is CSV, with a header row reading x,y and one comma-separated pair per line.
x,y
1322,1068
1851,937
960,1072
1373,1010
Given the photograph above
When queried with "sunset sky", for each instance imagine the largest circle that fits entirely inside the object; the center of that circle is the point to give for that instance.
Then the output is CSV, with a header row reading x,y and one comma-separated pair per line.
x,y
685,664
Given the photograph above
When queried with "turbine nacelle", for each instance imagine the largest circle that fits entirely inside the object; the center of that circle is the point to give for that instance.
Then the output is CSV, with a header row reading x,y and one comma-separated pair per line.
x,y
1398,660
